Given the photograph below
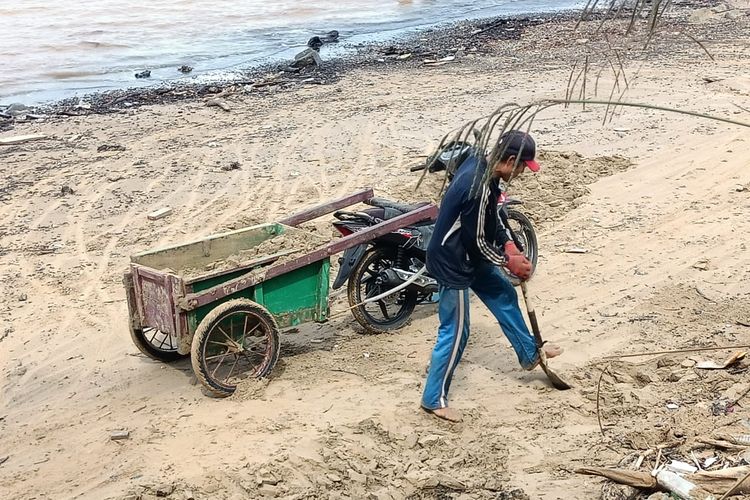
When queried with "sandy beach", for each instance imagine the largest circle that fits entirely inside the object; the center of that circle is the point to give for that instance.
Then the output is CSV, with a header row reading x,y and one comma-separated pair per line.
x,y
659,201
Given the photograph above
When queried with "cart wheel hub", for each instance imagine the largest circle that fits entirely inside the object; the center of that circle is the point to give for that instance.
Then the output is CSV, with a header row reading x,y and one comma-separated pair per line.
x,y
235,348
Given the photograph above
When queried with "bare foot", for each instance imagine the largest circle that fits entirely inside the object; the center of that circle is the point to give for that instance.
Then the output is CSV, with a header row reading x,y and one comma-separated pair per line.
x,y
552,350
549,351
447,413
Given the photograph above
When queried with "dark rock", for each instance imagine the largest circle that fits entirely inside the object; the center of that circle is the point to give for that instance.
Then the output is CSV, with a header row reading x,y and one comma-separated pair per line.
x,y
23,297
235,165
164,490
315,43
514,494
331,37
144,74
185,68
66,190
307,57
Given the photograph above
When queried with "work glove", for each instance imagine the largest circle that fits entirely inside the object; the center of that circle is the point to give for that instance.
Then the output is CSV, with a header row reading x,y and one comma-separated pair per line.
x,y
511,248
519,265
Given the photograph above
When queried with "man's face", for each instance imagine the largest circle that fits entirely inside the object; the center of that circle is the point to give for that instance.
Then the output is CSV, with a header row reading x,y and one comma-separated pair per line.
x,y
507,170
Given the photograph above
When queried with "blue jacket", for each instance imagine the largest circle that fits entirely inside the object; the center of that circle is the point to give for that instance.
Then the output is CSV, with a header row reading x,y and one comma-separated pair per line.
x,y
467,229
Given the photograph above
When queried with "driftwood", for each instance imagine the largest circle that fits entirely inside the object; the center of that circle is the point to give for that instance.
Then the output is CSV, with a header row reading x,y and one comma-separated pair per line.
x,y
721,443
218,103
622,476
18,139
703,485
721,481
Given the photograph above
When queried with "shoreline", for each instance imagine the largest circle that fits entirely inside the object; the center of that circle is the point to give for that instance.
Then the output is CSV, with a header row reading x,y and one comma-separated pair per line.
x,y
430,43
435,42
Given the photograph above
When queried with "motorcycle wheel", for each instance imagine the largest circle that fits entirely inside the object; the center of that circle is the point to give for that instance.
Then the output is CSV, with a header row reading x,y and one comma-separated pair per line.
x,y
389,313
524,230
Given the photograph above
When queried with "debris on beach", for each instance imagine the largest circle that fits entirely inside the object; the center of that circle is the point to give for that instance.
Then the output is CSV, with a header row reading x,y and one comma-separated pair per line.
x,y
219,103
16,109
159,214
119,435
20,139
235,165
110,147
307,57
316,42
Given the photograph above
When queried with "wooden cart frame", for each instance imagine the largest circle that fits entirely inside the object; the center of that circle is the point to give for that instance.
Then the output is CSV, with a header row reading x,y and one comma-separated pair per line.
x,y
291,289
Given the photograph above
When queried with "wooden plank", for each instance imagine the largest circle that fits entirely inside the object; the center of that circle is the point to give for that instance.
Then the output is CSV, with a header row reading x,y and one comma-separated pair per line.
x,y
199,253
19,139
326,208
195,300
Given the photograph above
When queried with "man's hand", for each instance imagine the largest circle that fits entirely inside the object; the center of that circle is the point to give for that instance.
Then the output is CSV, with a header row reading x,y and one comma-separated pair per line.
x,y
511,249
519,265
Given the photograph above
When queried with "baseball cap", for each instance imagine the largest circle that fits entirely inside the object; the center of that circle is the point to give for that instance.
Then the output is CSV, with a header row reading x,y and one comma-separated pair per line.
x,y
521,145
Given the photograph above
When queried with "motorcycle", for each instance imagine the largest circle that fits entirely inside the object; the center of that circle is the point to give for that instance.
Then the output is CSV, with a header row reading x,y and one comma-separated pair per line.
x,y
396,261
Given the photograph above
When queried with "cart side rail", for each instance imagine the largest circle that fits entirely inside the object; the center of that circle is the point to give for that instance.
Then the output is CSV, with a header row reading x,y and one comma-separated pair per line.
x,y
311,213
195,300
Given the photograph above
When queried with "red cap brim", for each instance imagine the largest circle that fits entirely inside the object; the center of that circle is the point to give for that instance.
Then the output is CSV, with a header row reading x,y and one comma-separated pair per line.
x,y
533,166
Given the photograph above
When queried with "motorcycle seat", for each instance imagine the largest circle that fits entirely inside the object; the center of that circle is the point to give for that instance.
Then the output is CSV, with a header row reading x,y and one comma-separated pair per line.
x,y
399,207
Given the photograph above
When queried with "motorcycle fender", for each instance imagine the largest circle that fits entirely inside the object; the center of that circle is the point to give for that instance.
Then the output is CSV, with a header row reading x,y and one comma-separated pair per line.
x,y
349,261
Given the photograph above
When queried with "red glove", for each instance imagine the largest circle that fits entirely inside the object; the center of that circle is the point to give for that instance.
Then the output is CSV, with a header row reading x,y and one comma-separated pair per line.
x,y
511,248
519,265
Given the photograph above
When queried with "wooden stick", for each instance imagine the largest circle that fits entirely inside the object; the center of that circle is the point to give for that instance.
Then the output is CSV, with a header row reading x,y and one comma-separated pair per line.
x,y
598,387
735,487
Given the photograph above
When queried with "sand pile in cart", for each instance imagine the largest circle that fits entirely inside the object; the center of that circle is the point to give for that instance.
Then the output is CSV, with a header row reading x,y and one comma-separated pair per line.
x,y
289,245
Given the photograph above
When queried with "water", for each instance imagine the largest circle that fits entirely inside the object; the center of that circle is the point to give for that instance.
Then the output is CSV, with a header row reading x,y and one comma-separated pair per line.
x,y
52,49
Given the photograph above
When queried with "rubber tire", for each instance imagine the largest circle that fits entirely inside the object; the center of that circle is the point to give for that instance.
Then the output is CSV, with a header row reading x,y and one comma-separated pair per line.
x,y
143,345
201,336
352,290
532,247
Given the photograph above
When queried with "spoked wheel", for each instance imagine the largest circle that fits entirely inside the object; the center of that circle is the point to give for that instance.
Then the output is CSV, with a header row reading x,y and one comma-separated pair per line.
x,y
524,230
368,280
156,344
239,339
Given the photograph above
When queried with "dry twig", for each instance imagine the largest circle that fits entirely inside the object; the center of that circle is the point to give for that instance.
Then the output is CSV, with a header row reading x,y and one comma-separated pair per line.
x,y
598,390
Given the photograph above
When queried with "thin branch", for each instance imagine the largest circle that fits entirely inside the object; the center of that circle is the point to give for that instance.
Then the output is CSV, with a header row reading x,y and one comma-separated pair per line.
x,y
585,12
699,44
659,108
568,89
598,390
606,16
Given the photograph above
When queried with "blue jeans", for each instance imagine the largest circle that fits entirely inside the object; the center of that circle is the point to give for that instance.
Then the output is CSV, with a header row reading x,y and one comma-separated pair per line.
x,y
501,299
